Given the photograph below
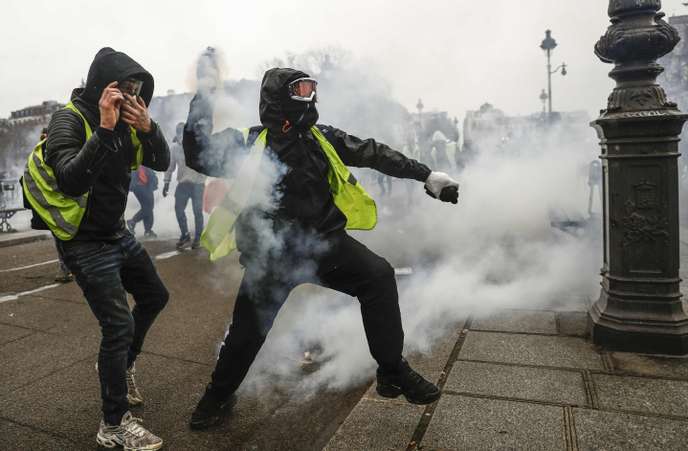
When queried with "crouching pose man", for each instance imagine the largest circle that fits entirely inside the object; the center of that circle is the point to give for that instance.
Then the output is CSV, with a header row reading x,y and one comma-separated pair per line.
x,y
77,184
303,237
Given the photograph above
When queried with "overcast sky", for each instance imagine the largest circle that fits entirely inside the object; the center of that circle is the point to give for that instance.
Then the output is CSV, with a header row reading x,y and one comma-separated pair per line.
x,y
452,53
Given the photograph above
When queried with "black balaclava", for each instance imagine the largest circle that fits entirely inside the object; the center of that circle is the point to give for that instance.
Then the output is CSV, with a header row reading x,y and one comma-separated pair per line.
x,y
278,112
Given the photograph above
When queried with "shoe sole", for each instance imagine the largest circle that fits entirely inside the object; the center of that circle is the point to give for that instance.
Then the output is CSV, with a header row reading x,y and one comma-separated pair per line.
x,y
107,443
145,448
394,392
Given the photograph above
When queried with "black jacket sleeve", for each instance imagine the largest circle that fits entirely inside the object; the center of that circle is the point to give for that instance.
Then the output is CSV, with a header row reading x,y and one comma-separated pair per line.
x,y
76,163
156,152
369,153
212,154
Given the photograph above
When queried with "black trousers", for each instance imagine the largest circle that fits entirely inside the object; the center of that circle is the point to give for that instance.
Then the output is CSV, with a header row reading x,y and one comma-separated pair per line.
x,y
341,263
147,201
105,272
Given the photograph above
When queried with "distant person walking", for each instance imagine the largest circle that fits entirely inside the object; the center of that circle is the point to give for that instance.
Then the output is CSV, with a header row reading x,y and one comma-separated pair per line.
x,y
143,184
190,186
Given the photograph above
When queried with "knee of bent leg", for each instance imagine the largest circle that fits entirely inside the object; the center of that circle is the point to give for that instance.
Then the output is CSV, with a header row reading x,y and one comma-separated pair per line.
x,y
381,271
156,299
162,297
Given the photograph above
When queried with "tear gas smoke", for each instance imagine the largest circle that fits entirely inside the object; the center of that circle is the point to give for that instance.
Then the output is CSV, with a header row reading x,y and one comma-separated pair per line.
x,y
496,250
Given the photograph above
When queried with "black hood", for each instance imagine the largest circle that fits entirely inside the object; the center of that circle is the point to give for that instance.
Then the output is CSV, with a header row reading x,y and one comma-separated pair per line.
x,y
276,106
110,65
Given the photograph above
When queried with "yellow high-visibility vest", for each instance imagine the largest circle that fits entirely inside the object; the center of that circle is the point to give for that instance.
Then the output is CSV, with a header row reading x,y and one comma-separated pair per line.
x,y
348,195
62,213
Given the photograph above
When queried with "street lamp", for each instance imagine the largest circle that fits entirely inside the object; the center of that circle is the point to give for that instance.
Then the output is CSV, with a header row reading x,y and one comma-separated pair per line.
x,y
640,307
549,44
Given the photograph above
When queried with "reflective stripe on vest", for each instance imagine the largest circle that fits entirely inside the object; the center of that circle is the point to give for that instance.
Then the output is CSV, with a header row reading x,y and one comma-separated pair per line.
x,y
348,194
62,213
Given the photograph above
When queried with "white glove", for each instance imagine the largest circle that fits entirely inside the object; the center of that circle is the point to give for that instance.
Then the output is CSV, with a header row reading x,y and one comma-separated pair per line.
x,y
437,182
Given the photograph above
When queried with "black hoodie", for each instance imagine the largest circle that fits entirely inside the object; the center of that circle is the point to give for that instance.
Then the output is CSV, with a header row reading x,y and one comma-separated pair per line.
x,y
101,165
304,192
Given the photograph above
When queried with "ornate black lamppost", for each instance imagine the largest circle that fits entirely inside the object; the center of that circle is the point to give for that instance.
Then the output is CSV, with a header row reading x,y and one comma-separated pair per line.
x,y
549,44
640,307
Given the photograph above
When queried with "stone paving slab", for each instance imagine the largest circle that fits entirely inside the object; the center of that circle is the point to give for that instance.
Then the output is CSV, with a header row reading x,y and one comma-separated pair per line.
x,y
569,302
38,355
11,333
536,384
638,394
645,365
17,437
539,350
610,431
573,323
375,425
464,423
518,321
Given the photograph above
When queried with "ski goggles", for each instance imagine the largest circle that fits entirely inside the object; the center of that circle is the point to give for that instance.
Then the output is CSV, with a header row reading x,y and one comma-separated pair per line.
x,y
303,89
130,86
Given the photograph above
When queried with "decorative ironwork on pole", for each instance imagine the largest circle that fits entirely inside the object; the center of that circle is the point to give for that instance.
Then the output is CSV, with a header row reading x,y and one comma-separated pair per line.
x,y
640,307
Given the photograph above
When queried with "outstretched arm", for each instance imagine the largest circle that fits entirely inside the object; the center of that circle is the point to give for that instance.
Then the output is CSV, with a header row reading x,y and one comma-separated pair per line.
x,y
205,152
368,153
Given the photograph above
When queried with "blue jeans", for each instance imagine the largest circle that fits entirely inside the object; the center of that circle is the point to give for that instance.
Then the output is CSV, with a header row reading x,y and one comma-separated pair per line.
x,y
147,200
106,271
184,192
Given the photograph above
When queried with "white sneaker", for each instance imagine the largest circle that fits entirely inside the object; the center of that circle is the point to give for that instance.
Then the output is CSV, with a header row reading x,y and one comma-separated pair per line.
x,y
133,394
130,435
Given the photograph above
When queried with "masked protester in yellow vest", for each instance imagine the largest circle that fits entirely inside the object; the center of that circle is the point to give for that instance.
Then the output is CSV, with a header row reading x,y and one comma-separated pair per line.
x,y
77,183
299,234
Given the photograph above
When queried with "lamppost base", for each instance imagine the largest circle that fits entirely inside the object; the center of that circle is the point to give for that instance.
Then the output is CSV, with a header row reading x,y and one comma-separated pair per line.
x,y
664,334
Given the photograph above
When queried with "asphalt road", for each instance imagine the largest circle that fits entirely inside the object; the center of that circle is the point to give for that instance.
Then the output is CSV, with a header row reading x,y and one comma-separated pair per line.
x,y
49,342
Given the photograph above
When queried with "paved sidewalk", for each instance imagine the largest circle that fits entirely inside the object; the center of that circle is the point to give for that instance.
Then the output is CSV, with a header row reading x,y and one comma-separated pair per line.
x,y
529,380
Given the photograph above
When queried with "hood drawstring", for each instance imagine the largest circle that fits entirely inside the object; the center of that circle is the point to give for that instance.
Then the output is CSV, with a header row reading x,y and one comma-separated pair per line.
x,y
286,127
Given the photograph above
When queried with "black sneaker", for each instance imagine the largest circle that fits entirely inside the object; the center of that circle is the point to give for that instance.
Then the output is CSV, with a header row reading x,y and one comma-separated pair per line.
x,y
183,241
196,244
211,411
407,382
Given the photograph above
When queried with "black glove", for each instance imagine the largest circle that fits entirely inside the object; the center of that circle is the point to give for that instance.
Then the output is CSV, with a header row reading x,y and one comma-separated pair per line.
x,y
448,194
165,189
440,186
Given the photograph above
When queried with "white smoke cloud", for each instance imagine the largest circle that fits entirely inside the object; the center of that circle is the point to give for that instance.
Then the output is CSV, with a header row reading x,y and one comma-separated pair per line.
x,y
496,249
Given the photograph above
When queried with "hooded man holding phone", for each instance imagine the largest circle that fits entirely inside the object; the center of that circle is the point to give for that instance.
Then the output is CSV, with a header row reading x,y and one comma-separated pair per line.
x,y
77,183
